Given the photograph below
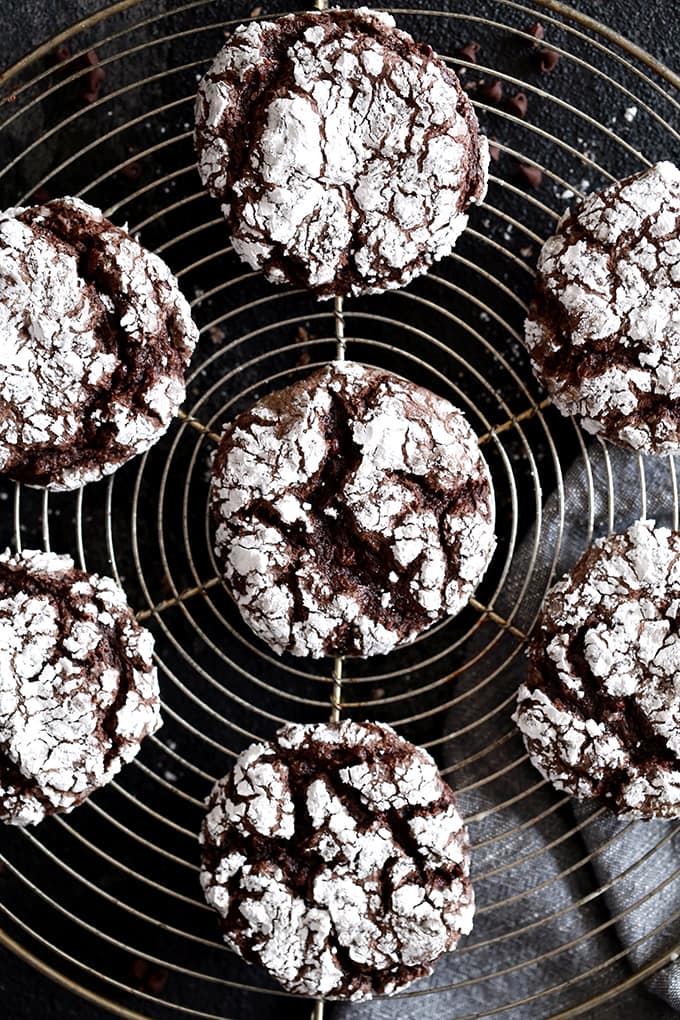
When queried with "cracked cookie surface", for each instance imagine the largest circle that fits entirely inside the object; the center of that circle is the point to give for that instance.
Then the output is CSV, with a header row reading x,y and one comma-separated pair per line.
x,y
352,510
336,857
78,688
95,337
345,156
604,329
600,710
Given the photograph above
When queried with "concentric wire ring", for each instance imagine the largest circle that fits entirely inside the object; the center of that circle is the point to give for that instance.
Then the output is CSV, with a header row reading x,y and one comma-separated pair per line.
x,y
108,896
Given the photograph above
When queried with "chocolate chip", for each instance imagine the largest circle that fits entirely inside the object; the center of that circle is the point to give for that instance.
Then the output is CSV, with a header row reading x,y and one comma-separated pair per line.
x,y
518,104
95,77
530,174
132,171
148,977
139,968
536,30
91,82
156,980
469,52
494,152
492,90
547,60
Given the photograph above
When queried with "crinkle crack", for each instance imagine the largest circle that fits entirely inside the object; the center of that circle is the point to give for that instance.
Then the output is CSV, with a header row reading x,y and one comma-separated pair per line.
x,y
337,858
95,337
604,329
352,510
600,710
344,155
78,688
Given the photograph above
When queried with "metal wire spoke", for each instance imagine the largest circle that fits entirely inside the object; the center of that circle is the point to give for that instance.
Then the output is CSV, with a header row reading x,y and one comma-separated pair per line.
x,y
90,897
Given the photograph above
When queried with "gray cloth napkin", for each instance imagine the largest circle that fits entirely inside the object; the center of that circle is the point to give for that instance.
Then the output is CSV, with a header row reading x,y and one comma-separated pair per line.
x,y
571,902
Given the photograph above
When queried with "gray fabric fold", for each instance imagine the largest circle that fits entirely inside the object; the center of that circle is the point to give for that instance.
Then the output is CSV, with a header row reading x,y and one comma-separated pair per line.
x,y
572,902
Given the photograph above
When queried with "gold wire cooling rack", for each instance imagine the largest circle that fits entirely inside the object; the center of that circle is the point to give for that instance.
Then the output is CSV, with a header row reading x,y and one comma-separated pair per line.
x,y
107,901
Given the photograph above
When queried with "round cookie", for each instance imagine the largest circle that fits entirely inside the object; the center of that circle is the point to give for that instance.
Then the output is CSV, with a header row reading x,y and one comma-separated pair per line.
x,y
78,688
600,710
353,509
337,859
345,155
604,328
95,338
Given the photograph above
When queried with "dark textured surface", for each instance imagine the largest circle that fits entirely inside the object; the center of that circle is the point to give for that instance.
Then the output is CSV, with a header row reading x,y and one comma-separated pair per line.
x,y
655,27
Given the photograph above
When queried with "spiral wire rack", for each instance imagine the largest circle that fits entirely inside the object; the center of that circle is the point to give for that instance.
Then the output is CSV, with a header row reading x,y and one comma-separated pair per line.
x,y
107,900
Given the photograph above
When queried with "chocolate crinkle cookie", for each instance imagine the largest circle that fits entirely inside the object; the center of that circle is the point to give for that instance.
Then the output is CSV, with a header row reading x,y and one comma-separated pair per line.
x,y
604,329
600,710
78,688
95,338
337,859
352,509
344,154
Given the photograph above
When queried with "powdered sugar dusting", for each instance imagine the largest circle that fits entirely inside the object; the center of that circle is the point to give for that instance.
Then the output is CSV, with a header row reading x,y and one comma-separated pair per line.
x,y
607,652
367,152
374,910
401,444
60,367
610,288
68,646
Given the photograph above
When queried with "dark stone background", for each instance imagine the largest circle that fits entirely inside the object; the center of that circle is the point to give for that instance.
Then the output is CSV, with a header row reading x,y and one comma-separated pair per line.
x,y
655,26
652,25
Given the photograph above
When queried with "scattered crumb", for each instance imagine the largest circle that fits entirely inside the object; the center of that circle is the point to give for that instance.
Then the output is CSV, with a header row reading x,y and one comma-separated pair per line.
x,y
216,334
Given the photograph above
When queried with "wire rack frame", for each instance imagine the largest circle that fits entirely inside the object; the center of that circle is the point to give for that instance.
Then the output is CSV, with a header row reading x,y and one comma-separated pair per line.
x,y
123,870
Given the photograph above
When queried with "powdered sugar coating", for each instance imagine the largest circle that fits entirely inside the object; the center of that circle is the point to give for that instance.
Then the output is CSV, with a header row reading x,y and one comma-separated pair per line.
x,y
344,155
78,688
94,340
352,509
335,899
600,711
604,331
